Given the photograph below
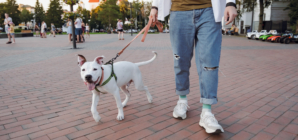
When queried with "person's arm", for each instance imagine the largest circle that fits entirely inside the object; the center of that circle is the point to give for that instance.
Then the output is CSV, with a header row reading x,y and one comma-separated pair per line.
x,y
230,11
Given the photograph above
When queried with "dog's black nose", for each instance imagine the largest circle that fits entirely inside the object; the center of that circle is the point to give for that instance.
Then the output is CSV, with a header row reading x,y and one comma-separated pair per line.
x,y
88,77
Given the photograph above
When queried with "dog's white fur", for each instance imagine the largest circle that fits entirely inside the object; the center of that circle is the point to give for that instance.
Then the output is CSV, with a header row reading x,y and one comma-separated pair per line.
x,y
126,73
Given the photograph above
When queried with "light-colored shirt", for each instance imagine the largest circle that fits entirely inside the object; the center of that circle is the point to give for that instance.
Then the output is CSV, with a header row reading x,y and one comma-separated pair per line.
x,y
119,25
78,23
87,28
7,20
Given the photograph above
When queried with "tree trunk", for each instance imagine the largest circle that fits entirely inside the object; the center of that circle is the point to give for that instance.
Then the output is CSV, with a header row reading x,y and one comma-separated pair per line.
x,y
296,26
261,15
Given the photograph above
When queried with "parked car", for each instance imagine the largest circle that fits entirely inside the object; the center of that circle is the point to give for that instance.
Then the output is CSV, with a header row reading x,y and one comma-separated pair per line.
x,y
1,29
133,30
96,30
257,36
269,34
102,30
166,31
58,31
274,38
251,35
288,38
151,31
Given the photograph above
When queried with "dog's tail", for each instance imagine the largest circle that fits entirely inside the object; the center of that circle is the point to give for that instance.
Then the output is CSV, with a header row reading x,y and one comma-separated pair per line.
x,y
147,62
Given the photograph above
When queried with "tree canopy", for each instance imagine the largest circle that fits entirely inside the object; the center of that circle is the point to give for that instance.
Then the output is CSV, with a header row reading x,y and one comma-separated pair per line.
x,y
109,14
54,14
26,16
39,13
293,14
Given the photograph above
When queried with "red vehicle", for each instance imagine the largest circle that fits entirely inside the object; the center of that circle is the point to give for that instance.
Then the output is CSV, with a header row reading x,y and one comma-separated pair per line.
x,y
273,39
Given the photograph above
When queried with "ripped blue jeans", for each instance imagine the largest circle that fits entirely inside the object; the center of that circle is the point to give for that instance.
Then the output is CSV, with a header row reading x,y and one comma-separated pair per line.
x,y
196,31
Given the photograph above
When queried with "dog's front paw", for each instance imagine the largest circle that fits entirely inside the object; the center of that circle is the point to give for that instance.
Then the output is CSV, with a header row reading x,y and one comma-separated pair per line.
x,y
96,118
120,117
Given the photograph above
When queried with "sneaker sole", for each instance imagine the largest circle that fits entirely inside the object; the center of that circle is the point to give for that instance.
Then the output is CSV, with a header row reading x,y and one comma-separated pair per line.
x,y
182,117
210,131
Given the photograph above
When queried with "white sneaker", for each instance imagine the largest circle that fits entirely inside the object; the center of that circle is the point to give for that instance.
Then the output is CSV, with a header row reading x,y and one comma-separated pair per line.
x,y
210,124
180,109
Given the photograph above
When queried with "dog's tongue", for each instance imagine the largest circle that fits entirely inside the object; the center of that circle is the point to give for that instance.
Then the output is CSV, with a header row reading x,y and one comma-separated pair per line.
x,y
90,86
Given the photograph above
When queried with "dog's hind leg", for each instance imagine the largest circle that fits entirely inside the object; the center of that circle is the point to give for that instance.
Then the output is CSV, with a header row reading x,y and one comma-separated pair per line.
x,y
127,94
119,104
95,99
140,86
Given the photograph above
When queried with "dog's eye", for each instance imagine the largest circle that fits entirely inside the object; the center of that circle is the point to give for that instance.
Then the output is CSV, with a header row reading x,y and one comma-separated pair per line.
x,y
83,69
95,69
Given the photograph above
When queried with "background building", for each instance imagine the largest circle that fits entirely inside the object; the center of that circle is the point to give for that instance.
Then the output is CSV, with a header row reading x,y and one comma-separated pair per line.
x,y
275,18
28,7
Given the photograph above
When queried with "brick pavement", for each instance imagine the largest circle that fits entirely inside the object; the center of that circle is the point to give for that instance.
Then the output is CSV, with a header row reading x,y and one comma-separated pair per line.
x,y
42,96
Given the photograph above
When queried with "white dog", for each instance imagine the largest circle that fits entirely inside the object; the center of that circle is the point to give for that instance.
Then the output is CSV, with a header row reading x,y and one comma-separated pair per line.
x,y
94,73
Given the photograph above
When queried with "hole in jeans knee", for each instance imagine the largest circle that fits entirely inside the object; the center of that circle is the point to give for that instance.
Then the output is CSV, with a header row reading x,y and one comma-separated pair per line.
x,y
210,68
177,57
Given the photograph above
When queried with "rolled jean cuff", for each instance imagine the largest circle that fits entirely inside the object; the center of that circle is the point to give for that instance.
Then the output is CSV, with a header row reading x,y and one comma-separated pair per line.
x,y
184,92
208,101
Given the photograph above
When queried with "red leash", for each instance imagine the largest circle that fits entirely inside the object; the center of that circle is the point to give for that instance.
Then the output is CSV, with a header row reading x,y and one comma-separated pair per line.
x,y
145,30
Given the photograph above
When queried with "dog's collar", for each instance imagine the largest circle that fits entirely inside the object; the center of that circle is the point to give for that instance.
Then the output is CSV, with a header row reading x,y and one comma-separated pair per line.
x,y
102,75
101,83
101,79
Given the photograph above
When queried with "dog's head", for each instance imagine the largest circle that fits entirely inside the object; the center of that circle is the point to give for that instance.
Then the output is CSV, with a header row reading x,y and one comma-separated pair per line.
x,y
90,71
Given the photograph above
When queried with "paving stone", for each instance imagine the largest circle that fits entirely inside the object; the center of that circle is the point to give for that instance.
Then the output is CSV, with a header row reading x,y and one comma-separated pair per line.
x,y
43,97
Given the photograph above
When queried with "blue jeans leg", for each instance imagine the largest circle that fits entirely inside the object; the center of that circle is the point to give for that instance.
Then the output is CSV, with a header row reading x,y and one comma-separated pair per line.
x,y
182,34
197,30
207,48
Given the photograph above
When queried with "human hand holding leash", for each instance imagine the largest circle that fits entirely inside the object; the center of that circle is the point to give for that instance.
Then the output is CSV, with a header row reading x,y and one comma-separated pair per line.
x,y
153,14
230,14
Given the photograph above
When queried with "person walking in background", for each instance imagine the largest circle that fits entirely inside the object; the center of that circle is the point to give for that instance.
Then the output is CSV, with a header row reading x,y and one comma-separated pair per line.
x,y
196,27
120,29
83,31
69,29
78,31
53,29
11,30
45,30
87,29
42,29
232,29
7,20
36,30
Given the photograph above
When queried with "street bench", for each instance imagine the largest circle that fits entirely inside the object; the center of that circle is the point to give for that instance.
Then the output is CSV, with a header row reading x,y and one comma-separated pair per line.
x,y
26,31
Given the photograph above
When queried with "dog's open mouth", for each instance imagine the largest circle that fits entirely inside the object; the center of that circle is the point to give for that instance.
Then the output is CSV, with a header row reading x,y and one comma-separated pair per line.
x,y
90,86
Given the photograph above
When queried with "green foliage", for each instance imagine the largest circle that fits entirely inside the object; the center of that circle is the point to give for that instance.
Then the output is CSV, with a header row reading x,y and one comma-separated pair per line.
x,y
26,16
293,14
39,13
86,15
69,2
10,7
248,5
109,14
17,30
54,14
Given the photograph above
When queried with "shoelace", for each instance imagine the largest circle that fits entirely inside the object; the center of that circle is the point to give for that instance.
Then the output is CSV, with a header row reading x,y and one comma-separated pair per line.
x,y
209,119
180,106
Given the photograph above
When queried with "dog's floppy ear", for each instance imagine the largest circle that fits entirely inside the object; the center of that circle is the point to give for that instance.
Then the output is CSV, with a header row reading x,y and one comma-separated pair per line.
x,y
81,60
99,60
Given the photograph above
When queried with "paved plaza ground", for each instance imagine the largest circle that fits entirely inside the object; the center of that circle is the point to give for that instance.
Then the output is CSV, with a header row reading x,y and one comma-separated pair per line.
x,y
43,97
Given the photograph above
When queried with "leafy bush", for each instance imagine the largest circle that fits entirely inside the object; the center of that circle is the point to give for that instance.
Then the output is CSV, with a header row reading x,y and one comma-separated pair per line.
x,y
17,30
